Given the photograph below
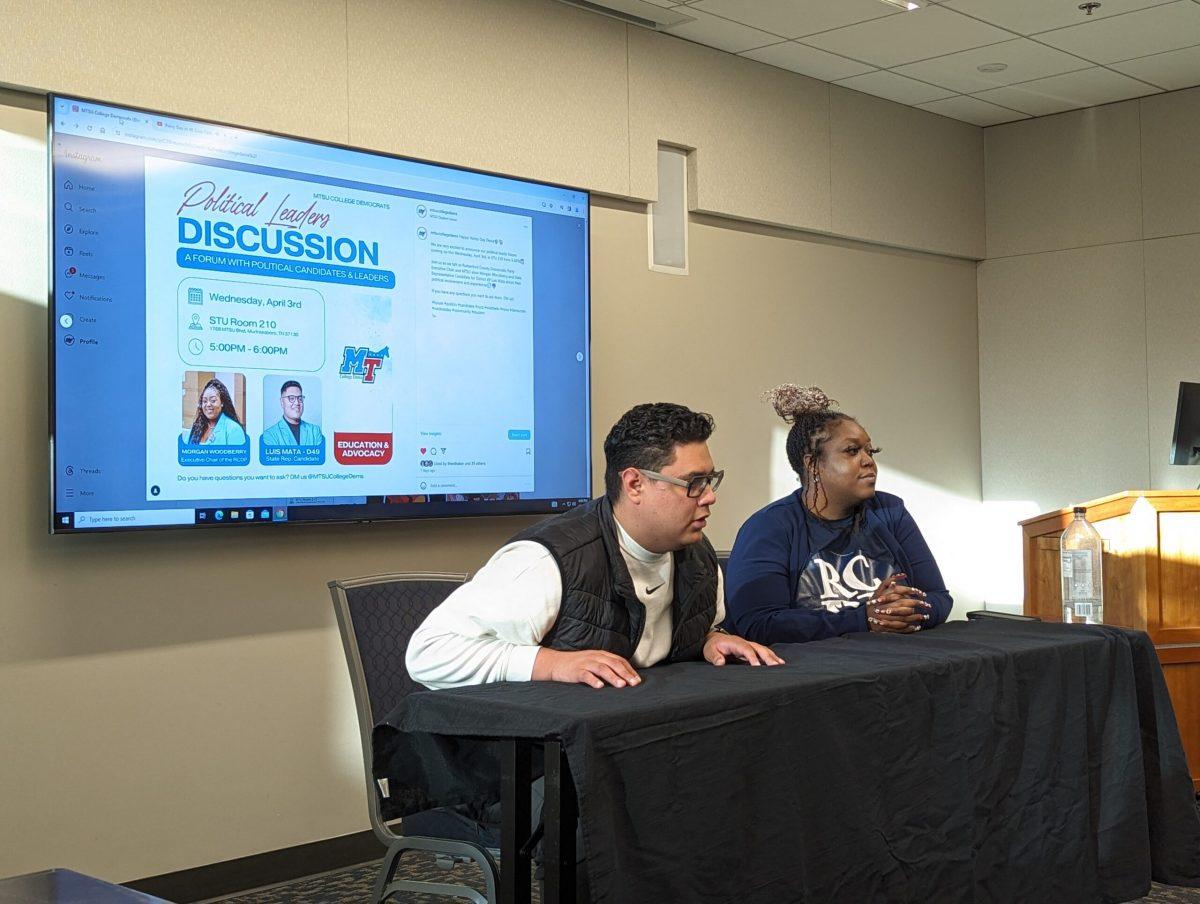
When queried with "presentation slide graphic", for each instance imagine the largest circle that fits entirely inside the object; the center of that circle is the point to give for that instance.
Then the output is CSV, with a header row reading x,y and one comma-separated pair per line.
x,y
296,331
404,328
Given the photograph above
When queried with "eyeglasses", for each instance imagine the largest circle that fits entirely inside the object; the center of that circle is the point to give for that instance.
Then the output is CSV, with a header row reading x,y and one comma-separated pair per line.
x,y
293,399
696,486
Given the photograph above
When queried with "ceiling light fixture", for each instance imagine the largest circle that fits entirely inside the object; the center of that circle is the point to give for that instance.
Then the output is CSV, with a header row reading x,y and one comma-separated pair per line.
x,y
903,4
992,67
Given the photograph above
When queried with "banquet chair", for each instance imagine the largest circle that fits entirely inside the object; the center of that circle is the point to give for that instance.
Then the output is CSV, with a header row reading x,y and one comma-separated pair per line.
x,y
377,616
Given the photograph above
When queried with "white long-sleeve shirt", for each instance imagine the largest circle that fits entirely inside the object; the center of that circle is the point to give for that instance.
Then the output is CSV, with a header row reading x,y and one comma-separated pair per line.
x,y
491,628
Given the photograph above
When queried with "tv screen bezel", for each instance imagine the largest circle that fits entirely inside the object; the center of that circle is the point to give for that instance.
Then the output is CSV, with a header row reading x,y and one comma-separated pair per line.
x,y
1188,393
393,513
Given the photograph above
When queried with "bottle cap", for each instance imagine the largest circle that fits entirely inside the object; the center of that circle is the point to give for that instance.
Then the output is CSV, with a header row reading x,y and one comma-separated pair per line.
x,y
1080,508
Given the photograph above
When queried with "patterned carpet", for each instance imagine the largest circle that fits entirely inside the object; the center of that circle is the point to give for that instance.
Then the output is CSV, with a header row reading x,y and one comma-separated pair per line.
x,y
353,885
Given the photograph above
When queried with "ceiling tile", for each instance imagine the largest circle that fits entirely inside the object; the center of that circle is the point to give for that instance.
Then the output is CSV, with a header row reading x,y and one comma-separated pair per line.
x,y
909,36
1028,17
970,109
890,86
1026,60
1067,92
796,18
1172,70
721,33
1138,34
808,61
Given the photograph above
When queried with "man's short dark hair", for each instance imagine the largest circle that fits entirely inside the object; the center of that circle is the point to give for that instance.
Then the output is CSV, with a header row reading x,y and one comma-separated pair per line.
x,y
288,385
646,437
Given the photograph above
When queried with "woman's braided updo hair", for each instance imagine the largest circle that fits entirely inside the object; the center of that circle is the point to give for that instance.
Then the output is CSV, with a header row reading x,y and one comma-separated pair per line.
x,y
811,413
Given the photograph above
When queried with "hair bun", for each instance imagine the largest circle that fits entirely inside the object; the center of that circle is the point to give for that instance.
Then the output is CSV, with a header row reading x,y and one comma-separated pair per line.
x,y
791,401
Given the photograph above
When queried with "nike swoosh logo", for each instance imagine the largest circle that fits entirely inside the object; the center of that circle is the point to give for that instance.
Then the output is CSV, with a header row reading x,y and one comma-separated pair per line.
x,y
650,590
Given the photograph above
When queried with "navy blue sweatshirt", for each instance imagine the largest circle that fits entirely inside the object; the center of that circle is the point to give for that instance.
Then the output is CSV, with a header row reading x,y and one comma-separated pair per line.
x,y
793,577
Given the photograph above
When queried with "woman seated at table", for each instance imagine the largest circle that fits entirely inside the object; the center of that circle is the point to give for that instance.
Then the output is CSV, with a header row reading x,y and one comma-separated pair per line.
x,y
217,422
833,557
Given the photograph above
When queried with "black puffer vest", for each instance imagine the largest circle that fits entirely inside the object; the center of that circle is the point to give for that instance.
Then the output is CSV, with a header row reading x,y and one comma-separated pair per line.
x,y
600,609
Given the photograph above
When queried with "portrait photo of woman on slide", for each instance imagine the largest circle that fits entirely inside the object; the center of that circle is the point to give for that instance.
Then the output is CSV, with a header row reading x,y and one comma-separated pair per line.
x,y
216,422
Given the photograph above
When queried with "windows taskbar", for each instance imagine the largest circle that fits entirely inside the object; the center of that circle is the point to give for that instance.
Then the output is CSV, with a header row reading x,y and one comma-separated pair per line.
x,y
376,508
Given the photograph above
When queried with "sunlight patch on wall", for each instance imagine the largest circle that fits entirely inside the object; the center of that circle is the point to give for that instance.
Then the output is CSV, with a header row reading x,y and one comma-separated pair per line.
x,y
977,544
23,228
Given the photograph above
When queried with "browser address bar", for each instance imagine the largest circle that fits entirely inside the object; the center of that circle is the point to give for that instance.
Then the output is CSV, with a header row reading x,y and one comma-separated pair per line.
x,y
303,163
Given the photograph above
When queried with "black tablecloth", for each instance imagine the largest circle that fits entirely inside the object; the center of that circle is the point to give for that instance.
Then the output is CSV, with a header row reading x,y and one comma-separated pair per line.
x,y
983,761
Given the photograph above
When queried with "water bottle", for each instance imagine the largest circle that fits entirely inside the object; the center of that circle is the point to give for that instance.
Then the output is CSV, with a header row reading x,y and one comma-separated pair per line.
x,y
1082,572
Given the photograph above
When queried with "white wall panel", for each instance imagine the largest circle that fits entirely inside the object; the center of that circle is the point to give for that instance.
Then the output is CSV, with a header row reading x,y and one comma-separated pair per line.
x,y
528,88
1065,181
761,135
1062,374
1171,163
904,177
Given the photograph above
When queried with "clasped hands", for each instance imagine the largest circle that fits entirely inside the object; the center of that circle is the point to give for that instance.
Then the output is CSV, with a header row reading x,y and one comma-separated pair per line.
x,y
896,608
599,667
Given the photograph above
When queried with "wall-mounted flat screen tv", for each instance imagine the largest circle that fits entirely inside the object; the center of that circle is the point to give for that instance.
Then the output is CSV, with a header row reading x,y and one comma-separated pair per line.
x,y
248,328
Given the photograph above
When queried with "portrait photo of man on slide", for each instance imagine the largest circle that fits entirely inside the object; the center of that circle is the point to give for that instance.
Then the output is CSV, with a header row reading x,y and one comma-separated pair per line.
x,y
291,429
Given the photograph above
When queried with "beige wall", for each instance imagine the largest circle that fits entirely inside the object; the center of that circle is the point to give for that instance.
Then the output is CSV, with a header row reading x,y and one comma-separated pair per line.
x,y
528,88
174,699
763,306
1087,301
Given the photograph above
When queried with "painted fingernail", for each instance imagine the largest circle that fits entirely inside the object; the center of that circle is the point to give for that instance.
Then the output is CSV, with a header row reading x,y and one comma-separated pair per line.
x,y
918,627
926,616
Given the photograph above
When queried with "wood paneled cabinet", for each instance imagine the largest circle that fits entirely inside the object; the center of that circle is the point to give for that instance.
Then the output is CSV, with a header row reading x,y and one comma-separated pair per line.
x,y
1151,582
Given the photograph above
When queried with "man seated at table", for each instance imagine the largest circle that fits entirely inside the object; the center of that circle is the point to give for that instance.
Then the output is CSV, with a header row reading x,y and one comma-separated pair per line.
x,y
590,596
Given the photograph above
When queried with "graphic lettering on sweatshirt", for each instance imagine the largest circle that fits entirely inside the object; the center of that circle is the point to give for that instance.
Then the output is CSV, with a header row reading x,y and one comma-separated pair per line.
x,y
837,581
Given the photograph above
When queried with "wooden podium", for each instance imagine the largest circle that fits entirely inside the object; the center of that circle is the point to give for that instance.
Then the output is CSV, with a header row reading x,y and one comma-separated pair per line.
x,y
1151,582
